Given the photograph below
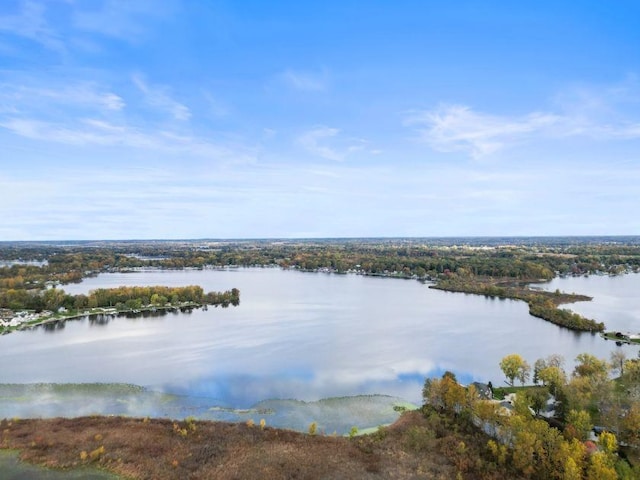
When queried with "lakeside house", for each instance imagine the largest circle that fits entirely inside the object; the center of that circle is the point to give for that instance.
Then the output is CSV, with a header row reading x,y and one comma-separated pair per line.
x,y
484,390
15,319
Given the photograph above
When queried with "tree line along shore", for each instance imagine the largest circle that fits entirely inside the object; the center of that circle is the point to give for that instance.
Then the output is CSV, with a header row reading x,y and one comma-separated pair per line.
x,y
492,267
29,309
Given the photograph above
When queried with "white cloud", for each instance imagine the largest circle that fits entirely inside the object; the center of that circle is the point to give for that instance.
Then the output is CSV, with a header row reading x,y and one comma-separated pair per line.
x,y
31,23
96,132
305,81
79,94
72,26
84,114
329,143
603,113
117,19
449,128
313,141
157,97
456,127
112,101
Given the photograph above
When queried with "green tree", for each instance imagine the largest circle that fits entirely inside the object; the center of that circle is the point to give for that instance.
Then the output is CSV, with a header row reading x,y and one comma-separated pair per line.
x,y
538,399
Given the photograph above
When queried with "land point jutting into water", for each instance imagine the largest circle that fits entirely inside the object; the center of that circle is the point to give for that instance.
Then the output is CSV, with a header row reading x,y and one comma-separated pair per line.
x,y
56,306
32,280
552,420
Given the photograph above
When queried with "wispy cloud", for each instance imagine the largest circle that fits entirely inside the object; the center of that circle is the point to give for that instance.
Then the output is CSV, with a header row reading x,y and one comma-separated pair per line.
x,y
123,20
64,26
31,23
326,142
78,94
306,81
95,132
88,115
312,140
159,98
580,112
456,127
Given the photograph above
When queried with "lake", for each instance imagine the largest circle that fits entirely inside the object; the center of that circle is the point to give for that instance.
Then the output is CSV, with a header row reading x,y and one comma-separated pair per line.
x,y
616,299
297,336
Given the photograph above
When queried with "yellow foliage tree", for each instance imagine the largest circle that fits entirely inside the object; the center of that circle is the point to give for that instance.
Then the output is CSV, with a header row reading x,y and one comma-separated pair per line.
x,y
514,366
571,470
600,468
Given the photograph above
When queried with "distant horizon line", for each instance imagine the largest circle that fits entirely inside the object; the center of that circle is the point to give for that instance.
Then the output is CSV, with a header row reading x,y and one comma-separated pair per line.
x,y
243,239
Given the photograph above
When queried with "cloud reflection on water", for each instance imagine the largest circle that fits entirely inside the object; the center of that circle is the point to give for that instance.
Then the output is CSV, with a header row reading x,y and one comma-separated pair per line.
x,y
295,335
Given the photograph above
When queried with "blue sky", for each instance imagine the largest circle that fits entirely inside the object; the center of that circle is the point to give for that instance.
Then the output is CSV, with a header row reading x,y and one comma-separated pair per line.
x,y
251,119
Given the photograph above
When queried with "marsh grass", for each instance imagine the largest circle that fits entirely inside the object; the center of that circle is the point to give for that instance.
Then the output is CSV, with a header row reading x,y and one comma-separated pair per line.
x,y
421,444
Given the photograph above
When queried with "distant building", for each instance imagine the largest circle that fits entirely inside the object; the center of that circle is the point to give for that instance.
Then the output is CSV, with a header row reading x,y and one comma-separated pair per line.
x,y
485,390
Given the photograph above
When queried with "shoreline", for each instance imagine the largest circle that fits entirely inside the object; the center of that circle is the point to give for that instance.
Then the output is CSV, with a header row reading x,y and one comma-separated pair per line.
x,y
107,311
621,338
334,414
542,304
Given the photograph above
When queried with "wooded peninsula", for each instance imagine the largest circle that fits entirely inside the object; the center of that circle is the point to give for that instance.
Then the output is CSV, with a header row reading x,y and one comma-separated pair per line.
x,y
570,425
33,275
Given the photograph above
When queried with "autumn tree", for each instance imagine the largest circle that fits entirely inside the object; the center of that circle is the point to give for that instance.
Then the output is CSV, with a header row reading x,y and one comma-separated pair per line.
x,y
552,377
553,360
581,424
630,425
53,298
514,366
590,366
445,394
618,359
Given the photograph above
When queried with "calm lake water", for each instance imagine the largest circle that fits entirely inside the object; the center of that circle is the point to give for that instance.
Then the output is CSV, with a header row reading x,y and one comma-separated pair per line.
x,y
304,336
616,300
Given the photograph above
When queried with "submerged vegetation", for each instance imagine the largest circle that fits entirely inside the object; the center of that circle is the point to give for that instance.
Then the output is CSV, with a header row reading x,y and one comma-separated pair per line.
x,y
577,426
564,425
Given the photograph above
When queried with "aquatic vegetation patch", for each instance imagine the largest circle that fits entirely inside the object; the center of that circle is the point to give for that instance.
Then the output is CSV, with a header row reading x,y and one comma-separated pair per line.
x,y
12,467
330,415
